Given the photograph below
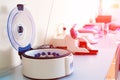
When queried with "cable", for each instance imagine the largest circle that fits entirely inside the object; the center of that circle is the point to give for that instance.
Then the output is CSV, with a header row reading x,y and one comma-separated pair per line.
x,y
48,22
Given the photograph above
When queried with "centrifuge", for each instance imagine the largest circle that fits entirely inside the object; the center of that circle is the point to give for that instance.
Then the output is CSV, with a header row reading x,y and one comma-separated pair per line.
x,y
42,63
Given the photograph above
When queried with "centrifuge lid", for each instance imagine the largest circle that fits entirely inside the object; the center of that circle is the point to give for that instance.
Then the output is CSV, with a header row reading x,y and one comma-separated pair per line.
x,y
21,28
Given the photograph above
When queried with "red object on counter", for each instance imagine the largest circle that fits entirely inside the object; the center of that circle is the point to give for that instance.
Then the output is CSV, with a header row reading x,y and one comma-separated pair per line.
x,y
103,18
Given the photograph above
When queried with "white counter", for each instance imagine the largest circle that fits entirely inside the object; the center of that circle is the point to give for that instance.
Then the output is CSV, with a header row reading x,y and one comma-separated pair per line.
x,y
86,67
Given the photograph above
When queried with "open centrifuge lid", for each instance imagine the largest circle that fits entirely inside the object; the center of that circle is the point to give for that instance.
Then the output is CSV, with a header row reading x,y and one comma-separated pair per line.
x,y
21,28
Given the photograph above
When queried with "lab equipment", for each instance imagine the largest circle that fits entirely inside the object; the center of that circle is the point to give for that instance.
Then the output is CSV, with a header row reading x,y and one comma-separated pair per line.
x,y
43,63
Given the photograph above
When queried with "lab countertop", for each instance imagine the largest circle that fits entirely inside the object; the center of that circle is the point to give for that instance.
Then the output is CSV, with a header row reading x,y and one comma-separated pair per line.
x,y
86,67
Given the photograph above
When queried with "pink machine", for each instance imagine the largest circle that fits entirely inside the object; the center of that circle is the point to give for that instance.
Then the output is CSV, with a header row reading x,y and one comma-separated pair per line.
x,y
78,44
75,42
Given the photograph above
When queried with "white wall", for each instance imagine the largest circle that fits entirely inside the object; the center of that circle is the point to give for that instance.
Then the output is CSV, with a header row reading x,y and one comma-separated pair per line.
x,y
69,12
8,57
39,9
48,14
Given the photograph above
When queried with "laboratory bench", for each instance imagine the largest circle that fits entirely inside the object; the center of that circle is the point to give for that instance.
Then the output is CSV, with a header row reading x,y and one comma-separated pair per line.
x,y
102,66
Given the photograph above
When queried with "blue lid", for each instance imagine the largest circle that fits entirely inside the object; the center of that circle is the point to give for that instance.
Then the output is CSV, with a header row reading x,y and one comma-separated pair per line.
x,y
21,28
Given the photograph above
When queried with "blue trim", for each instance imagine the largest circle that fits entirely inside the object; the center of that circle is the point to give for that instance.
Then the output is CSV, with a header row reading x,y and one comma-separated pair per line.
x,y
9,23
24,49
